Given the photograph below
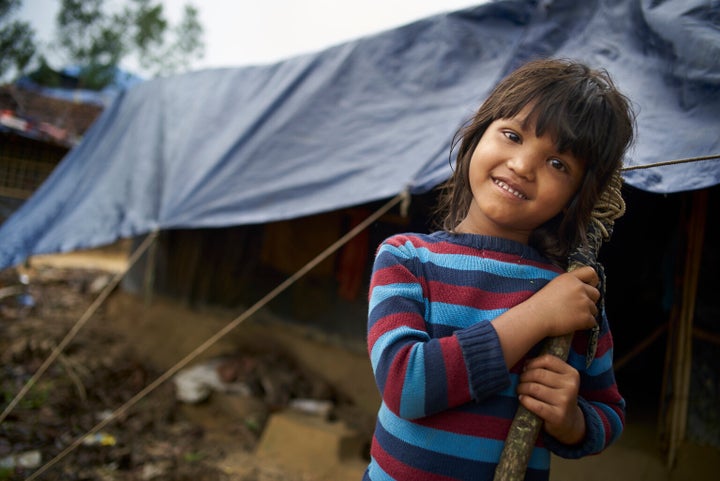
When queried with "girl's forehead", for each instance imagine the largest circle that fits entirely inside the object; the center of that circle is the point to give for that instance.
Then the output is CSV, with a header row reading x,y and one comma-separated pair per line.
x,y
527,119
527,115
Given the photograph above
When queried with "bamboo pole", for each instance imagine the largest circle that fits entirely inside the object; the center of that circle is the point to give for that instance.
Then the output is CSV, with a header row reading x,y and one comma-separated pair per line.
x,y
525,427
682,359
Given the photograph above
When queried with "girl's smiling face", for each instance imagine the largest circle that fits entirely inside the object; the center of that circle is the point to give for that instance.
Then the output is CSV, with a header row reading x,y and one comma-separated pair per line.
x,y
518,180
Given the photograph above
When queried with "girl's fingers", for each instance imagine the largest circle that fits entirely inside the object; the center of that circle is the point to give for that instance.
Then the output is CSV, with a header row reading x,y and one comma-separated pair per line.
x,y
587,275
541,409
548,371
549,362
593,293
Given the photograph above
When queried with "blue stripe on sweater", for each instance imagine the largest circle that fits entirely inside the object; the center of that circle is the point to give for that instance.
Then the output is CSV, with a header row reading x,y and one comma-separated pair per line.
x,y
613,418
479,278
460,316
431,460
447,443
412,402
381,345
436,388
382,293
377,473
599,365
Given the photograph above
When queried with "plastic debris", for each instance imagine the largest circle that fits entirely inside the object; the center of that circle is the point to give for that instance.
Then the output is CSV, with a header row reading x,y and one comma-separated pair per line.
x,y
315,407
100,439
196,383
26,460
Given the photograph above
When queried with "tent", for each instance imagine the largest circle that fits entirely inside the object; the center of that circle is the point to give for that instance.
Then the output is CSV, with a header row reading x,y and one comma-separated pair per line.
x,y
364,120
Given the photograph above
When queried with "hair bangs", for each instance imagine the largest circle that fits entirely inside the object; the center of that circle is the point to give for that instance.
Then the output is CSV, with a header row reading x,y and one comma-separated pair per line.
x,y
558,116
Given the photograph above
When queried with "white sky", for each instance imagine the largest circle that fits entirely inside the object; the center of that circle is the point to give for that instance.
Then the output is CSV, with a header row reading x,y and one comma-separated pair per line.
x,y
243,32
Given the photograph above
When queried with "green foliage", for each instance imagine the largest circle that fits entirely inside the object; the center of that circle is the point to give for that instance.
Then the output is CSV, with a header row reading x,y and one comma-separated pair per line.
x,y
178,52
17,40
99,40
45,75
93,36
87,35
35,399
194,457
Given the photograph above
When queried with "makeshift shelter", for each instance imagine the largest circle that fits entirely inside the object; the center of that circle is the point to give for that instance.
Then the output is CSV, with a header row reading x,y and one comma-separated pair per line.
x,y
36,132
364,120
360,122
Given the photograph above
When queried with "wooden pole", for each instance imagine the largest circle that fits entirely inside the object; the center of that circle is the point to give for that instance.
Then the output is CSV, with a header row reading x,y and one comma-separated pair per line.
x,y
681,366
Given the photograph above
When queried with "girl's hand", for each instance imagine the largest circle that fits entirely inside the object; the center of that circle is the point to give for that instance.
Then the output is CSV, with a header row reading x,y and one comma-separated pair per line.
x,y
568,302
549,388
565,305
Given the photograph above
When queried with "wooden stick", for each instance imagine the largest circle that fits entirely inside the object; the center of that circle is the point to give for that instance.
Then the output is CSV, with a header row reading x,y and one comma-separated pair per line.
x,y
525,427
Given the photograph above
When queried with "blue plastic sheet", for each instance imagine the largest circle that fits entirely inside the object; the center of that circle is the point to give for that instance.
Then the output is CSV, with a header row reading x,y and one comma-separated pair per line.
x,y
365,120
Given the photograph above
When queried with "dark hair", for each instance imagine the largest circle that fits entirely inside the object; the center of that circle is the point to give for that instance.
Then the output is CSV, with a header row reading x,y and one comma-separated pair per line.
x,y
587,116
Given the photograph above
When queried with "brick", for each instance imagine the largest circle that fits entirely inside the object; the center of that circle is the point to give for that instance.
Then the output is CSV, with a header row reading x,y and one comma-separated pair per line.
x,y
309,444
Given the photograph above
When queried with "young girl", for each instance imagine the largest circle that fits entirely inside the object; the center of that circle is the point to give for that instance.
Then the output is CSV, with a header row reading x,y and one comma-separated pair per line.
x,y
456,317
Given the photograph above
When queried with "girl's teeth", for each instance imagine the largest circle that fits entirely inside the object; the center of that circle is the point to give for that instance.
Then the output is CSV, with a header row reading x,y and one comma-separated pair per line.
x,y
506,187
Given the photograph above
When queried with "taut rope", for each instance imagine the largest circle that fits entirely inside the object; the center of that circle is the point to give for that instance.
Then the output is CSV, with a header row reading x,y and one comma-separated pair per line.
x,y
670,162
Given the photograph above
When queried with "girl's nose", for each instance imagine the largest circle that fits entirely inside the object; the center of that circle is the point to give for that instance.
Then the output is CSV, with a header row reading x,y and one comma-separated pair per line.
x,y
523,165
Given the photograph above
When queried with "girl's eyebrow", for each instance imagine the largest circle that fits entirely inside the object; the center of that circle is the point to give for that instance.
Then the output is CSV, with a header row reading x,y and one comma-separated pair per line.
x,y
521,123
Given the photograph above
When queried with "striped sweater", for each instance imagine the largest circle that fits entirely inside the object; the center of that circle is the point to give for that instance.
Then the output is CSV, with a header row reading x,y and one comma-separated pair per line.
x,y
447,397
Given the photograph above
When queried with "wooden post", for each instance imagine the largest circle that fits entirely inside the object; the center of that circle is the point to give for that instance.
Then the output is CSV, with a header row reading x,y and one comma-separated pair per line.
x,y
149,276
681,332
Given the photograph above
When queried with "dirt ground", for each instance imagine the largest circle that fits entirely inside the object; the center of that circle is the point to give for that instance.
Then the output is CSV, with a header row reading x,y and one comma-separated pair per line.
x,y
264,368
264,365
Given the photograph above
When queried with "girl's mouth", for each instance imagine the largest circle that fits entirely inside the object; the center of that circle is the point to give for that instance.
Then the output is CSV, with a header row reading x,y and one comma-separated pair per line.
x,y
509,189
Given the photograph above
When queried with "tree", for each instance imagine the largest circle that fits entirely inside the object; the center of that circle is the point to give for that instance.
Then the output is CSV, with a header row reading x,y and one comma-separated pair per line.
x,y
17,40
178,53
98,41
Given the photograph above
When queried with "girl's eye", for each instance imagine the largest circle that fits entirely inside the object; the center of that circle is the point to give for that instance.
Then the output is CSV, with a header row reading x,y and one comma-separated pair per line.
x,y
512,136
558,165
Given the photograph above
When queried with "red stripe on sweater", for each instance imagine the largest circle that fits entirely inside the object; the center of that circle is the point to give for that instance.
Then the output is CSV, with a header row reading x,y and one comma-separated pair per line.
x,y
581,339
395,380
469,424
609,396
606,424
475,298
458,383
391,322
393,274
443,247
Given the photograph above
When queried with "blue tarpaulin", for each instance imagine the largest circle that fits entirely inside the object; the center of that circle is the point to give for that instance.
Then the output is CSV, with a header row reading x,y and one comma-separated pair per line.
x,y
366,119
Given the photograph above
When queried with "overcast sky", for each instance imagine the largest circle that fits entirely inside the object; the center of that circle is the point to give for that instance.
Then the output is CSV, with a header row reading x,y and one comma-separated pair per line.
x,y
243,32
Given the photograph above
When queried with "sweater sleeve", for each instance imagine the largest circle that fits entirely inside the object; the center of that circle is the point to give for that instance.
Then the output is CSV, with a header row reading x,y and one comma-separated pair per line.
x,y
419,374
599,399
